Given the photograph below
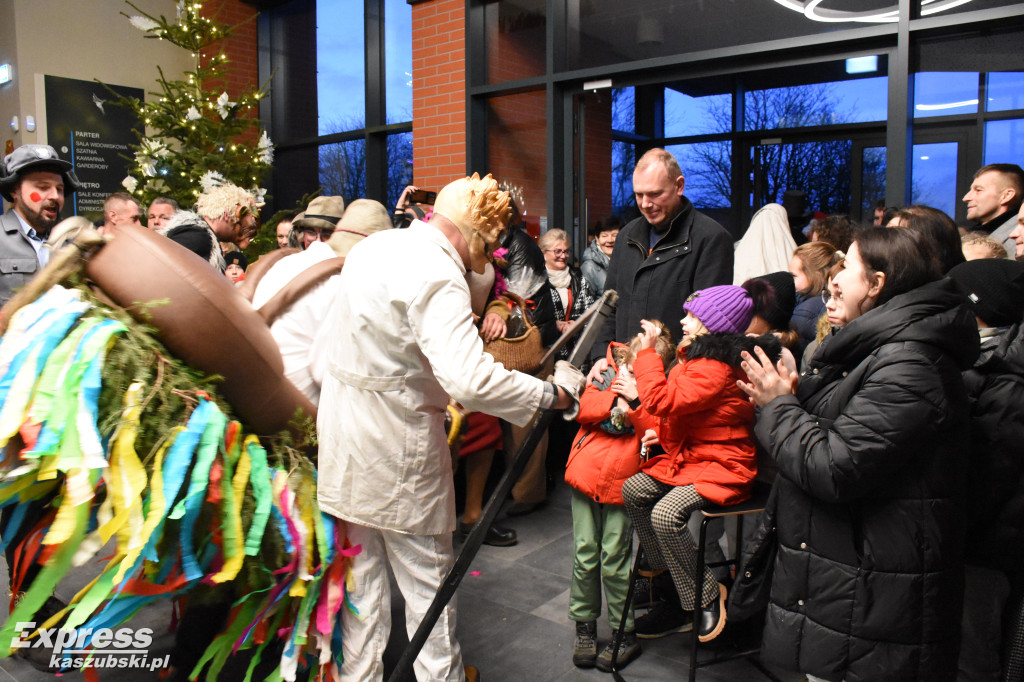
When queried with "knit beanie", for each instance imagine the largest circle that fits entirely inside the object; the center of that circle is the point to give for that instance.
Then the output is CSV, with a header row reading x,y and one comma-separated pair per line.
x,y
780,305
238,258
725,308
995,288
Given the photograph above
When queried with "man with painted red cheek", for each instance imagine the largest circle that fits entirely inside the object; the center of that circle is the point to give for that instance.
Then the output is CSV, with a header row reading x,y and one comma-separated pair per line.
x,y
34,179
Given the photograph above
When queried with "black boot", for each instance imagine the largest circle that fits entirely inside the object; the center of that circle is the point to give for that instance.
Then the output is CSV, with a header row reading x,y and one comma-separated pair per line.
x,y
712,617
664,619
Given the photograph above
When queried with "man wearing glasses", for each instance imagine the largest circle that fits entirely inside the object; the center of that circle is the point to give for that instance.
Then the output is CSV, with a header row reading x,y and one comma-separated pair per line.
x,y
319,220
224,215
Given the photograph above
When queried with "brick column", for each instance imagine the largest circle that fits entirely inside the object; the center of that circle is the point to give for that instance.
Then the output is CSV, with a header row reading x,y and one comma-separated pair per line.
x,y
438,92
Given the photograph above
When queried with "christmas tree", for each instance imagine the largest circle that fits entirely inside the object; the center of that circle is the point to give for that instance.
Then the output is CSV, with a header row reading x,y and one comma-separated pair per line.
x,y
195,135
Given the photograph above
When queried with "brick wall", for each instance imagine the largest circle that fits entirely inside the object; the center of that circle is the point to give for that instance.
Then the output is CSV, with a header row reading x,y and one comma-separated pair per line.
x,y
240,47
439,92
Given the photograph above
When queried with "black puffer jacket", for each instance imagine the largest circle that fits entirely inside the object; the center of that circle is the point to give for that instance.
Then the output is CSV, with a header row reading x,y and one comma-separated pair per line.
x,y
871,455
996,505
694,254
524,254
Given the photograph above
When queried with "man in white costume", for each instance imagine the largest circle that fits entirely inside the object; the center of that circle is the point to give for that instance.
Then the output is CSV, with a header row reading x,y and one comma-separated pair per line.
x,y
297,327
403,341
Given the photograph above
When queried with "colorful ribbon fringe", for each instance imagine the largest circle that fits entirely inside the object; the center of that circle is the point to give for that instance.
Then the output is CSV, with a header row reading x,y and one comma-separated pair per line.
x,y
202,512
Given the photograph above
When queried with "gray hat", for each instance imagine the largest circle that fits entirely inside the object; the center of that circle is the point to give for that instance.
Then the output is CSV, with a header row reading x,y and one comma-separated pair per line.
x,y
322,212
30,158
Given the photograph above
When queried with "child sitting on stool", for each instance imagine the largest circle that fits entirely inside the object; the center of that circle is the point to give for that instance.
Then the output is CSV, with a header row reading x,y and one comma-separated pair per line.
x,y
705,431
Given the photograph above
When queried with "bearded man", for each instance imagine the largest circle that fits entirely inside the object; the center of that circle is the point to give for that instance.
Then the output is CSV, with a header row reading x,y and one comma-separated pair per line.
x,y
402,341
225,214
34,179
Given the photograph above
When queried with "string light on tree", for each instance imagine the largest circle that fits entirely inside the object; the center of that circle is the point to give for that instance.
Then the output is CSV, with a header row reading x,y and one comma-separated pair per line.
x,y
193,125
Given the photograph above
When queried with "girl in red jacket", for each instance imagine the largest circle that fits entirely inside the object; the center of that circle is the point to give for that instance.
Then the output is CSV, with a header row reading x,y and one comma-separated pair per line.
x,y
605,453
707,452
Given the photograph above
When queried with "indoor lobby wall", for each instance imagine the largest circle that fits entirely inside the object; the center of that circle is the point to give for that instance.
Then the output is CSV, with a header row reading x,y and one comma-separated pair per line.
x,y
90,39
82,40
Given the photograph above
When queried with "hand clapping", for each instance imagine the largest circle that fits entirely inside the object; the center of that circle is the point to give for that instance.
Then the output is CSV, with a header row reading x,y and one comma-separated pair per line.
x,y
649,335
767,381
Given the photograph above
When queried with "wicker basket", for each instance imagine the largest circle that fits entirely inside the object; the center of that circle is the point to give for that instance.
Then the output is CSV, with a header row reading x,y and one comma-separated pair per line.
x,y
522,353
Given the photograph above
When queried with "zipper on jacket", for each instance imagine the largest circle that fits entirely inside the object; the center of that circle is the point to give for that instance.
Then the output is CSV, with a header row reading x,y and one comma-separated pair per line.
x,y
579,443
647,253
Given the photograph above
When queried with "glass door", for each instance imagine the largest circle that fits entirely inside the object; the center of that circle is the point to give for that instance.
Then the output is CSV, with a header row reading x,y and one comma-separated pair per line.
x,y
837,174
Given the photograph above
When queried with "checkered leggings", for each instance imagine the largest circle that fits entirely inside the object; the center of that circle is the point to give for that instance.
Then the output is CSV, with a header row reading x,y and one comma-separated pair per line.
x,y
659,513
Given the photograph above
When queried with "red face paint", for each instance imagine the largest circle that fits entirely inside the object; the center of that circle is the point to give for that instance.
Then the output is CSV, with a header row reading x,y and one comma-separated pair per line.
x,y
35,196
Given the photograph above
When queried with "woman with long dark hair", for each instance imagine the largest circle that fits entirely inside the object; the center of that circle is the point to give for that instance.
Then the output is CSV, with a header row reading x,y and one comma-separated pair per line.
x,y
870,444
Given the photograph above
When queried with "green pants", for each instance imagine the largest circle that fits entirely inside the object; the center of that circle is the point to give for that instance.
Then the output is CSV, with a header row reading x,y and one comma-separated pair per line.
x,y
602,538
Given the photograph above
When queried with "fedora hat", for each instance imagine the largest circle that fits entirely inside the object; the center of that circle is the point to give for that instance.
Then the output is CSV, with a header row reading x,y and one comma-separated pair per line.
x,y
322,213
362,218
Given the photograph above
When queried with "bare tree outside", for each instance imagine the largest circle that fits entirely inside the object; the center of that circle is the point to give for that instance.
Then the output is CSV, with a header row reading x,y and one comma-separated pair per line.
x,y
821,169
343,164
623,153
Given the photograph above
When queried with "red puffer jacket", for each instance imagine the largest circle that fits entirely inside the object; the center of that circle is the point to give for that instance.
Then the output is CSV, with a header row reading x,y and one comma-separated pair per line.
x,y
600,462
706,421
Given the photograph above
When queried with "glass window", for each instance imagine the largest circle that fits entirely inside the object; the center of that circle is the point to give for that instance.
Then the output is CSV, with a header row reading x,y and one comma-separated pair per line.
x,y
941,93
954,7
399,165
821,169
398,60
624,109
340,66
854,101
517,148
686,115
516,39
601,33
1004,142
1005,90
934,176
343,169
707,167
872,180
623,162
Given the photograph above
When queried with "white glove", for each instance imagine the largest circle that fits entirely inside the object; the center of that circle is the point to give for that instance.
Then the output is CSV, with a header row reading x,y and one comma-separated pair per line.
x,y
572,381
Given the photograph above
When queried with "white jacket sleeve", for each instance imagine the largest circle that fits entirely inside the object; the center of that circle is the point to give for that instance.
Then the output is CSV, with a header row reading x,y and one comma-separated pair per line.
x,y
442,322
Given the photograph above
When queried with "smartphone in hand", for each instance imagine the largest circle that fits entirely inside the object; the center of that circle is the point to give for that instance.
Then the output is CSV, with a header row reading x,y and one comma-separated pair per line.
x,y
422,196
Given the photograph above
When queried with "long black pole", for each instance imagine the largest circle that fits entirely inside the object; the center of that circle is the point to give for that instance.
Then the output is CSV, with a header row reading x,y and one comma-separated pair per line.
x,y
403,670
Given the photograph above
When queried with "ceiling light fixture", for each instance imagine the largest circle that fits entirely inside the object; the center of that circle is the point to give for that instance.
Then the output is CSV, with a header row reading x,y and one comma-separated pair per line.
x,y
947,105
812,10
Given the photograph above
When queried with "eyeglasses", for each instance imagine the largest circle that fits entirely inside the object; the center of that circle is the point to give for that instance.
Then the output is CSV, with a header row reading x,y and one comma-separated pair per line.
x,y
559,252
321,233
826,296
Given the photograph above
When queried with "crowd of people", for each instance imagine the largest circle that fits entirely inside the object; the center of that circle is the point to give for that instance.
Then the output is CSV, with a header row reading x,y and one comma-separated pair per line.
x,y
872,375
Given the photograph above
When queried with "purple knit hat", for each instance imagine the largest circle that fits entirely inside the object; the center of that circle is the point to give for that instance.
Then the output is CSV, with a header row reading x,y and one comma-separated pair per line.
x,y
725,308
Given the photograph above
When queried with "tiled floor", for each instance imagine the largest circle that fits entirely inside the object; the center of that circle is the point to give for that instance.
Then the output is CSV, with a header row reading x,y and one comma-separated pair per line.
x,y
513,620
512,617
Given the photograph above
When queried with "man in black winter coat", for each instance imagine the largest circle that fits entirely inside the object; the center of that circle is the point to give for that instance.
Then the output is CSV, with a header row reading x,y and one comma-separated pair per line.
x,y
662,257
994,590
